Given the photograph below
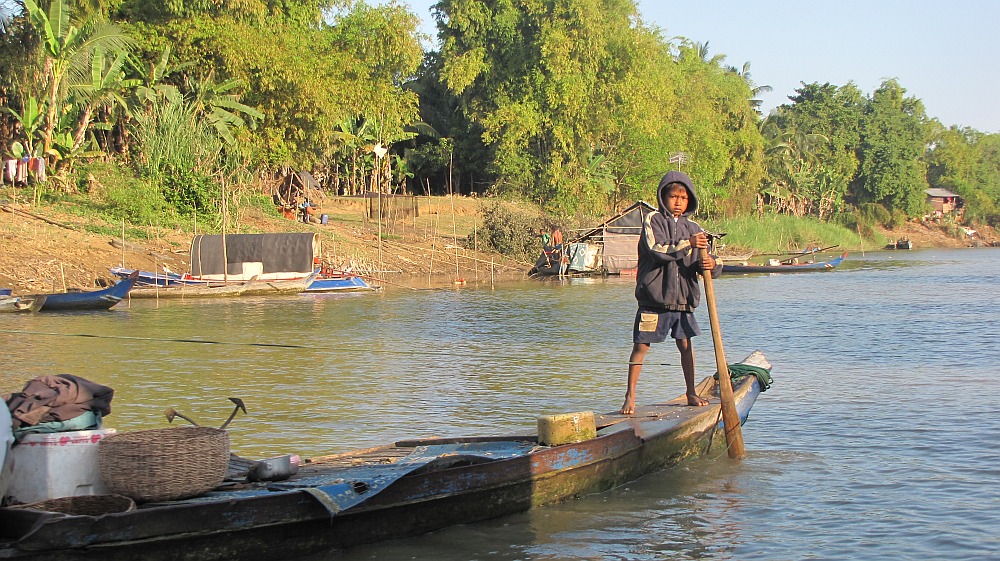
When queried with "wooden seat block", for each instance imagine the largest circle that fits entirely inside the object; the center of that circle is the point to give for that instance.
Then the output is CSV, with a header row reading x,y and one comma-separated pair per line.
x,y
554,430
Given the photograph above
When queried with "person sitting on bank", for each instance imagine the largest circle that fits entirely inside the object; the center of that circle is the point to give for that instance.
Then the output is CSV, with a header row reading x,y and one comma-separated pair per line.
x,y
308,212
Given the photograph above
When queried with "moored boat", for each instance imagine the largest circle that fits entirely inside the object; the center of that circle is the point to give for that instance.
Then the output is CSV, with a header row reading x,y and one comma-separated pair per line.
x,y
252,287
85,300
783,266
401,489
326,281
333,281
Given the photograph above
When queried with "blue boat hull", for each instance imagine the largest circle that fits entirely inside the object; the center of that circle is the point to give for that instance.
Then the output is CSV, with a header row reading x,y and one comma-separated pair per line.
x,y
339,283
94,300
344,284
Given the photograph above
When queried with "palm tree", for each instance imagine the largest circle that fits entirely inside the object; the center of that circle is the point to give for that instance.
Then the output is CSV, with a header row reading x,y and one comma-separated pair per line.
x,y
755,90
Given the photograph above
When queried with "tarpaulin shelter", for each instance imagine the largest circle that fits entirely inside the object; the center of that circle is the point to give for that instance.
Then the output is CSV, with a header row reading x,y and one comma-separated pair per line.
x,y
609,248
237,257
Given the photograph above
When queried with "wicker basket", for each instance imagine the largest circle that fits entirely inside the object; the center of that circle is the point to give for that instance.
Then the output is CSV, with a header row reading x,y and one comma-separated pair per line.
x,y
84,505
164,464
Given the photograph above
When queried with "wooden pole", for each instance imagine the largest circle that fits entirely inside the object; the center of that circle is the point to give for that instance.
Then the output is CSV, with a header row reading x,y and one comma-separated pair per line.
x,y
225,256
454,234
730,417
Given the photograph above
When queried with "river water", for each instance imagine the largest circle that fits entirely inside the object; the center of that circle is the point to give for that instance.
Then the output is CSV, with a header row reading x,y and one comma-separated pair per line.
x,y
878,439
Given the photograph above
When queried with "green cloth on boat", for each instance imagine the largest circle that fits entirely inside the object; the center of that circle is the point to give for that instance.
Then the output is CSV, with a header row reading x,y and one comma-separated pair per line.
x,y
88,420
739,370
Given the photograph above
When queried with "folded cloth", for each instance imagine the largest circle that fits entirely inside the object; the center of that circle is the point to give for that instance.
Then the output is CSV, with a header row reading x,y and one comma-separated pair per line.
x,y
88,421
57,398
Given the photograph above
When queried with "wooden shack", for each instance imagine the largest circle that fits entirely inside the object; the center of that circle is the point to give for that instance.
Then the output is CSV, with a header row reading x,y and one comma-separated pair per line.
x,y
944,203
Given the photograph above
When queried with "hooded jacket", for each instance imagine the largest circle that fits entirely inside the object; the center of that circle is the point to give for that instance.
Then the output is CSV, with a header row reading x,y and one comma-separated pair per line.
x,y
667,275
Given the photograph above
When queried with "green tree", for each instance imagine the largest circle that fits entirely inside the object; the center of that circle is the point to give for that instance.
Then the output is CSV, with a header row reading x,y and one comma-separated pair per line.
x,y
967,162
894,138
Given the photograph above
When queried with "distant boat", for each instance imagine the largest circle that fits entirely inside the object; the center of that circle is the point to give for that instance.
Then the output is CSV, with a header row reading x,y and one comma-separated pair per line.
x,y
252,287
782,267
901,243
332,281
325,281
93,300
244,264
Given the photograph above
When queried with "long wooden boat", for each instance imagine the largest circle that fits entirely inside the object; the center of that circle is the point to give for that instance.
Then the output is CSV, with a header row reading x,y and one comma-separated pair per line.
x,y
402,489
252,287
148,278
88,300
327,281
783,267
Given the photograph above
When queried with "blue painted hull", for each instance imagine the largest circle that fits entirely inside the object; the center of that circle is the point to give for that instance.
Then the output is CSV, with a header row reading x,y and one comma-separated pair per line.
x,y
94,300
146,278
338,283
344,284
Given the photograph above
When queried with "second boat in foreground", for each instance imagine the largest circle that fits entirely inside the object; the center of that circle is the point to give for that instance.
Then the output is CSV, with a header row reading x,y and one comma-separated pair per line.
x,y
402,489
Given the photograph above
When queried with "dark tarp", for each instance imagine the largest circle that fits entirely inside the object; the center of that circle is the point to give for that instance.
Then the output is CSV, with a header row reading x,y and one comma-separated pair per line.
x,y
288,255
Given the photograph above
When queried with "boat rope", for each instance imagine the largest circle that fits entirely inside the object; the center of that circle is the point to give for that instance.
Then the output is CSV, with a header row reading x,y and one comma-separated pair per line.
x,y
740,370
287,346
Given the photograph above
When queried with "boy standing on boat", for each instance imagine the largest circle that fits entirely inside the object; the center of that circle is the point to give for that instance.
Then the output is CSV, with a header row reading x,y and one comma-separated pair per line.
x,y
667,281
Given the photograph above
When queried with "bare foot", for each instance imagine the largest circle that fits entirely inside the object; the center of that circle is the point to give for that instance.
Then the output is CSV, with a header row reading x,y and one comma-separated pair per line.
x,y
628,408
696,401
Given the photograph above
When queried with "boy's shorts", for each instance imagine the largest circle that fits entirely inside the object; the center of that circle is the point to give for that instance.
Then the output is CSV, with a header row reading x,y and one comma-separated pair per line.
x,y
653,326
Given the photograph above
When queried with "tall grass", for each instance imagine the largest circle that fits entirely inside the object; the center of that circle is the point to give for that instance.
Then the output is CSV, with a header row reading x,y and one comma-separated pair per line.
x,y
170,136
780,233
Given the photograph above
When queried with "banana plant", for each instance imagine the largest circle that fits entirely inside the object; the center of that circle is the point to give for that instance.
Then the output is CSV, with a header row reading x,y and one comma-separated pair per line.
x,y
65,49
106,88
31,120
220,109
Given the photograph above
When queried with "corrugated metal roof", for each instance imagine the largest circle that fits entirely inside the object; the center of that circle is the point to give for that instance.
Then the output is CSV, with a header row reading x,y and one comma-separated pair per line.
x,y
937,192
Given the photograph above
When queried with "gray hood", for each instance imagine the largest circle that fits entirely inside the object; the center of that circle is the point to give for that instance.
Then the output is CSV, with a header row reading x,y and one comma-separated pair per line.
x,y
676,177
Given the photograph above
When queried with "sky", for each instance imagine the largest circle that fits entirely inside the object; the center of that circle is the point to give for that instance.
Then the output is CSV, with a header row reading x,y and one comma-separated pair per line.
x,y
942,52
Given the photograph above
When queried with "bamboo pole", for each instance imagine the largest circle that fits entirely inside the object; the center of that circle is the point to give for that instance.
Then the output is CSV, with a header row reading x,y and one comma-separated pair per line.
x,y
454,234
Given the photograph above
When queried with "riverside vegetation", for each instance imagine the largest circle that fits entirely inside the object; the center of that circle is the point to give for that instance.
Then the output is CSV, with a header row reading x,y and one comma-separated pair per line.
x,y
71,242
153,118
